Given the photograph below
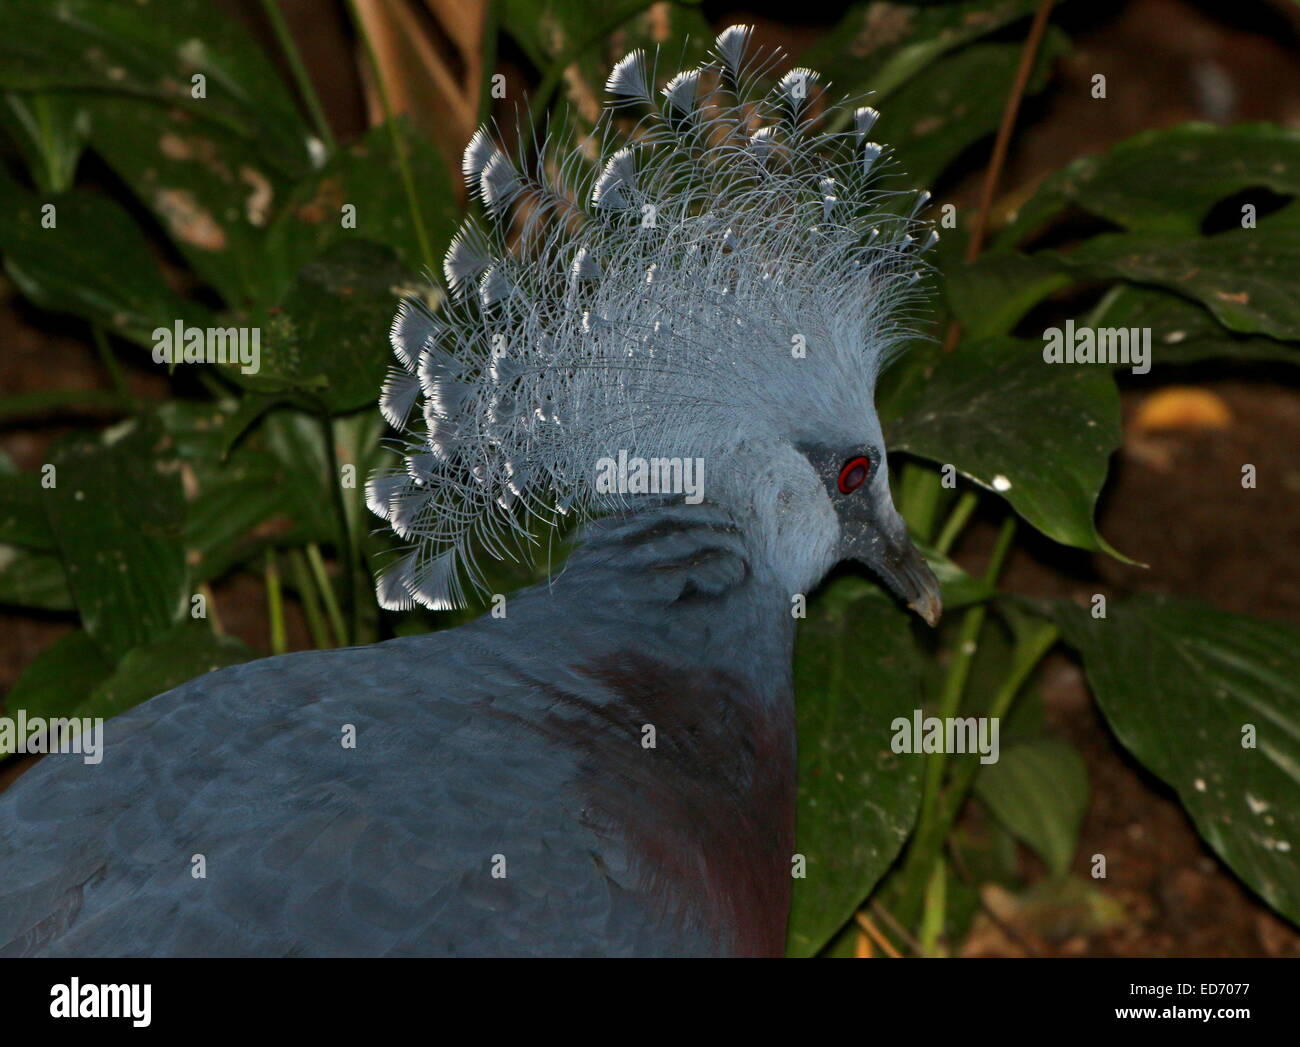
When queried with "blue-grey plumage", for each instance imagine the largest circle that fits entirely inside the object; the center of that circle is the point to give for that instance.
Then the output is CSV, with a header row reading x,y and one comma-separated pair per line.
x,y
521,737
610,768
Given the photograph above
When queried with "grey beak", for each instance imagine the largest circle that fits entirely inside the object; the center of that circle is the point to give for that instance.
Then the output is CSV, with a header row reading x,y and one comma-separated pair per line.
x,y
890,554
905,571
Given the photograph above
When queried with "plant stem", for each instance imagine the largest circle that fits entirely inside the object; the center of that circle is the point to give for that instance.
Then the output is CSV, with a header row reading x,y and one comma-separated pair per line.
x,y
36,403
57,176
1028,652
876,935
887,918
562,61
305,87
1000,147
310,600
275,604
399,146
110,363
317,563
956,521
1003,141
1103,306
936,901
490,16
927,844
347,552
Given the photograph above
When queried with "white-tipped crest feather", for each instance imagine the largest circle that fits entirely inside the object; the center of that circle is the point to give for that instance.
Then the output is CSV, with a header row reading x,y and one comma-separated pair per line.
x,y
680,91
730,47
628,78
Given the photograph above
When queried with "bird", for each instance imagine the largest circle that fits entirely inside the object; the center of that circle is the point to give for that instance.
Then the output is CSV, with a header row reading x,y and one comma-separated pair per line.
x,y
655,347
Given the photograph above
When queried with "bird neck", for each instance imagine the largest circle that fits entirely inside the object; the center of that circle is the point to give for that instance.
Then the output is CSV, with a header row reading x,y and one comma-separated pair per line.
x,y
689,585
668,645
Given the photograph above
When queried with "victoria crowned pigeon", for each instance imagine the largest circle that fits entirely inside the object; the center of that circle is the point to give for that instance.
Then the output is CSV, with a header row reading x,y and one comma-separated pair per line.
x,y
665,337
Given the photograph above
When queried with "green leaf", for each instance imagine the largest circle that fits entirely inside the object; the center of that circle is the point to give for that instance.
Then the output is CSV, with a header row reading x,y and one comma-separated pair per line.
x,y
959,588
933,118
22,512
1182,332
210,189
1038,789
1039,434
855,671
293,440
878,45
236,504
50,129
154,48
94,263
117,513
1179,682
990,295
274,487
1166,181
59,679
1245,277
32,579
366,176
184,652
326,336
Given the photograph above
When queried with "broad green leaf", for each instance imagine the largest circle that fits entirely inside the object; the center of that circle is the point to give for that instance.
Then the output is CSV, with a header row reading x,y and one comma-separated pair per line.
x,y
273,487
1166,181
990,295
1246,277
367,177
293,439
932,119
879,45
50,129
1038,789
58,679
1182,332
184,652
94,262
33,579
22,513
237,504
118,514
1210,702
209,188
326,337
856,669
1039,434
155,48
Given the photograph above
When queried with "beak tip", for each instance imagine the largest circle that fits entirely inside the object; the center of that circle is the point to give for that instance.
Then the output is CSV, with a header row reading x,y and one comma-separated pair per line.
x,y
929,608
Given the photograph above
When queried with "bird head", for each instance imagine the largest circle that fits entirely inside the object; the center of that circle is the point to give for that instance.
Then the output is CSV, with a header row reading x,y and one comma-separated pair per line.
x,y
721,286
856,482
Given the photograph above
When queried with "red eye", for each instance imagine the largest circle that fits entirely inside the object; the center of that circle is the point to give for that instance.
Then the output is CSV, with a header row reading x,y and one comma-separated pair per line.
x,y
854,474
